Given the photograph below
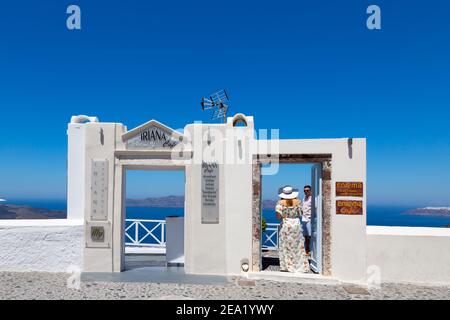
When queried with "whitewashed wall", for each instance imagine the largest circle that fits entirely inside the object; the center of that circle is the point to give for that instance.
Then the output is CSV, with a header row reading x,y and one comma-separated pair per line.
x,y
415,254
75,170
348,232
409,254
41,245
220,248
100,143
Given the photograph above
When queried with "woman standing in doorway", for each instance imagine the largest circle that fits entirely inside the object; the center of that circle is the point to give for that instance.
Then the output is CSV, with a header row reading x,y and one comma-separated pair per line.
x,y
291,248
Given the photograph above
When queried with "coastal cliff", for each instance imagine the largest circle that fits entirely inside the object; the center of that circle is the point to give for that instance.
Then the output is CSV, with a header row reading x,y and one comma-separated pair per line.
x,y
11,211
178,202
430,211
168,202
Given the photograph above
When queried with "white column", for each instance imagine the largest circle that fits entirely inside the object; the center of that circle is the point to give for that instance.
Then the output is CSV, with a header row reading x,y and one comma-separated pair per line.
x,y
76,171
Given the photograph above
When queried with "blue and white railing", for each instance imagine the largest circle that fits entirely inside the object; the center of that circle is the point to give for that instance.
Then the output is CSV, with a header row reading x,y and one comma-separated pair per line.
x,y
270,237
145,233
152,233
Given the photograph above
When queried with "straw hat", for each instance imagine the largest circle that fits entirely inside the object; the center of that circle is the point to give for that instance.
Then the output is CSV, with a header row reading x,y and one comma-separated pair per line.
x,y
288,193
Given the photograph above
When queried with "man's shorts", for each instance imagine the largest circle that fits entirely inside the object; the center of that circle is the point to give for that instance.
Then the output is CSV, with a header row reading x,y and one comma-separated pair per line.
x,y
306,226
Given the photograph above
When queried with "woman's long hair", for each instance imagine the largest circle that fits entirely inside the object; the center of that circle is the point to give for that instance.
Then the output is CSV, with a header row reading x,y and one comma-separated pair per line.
x,y
290,202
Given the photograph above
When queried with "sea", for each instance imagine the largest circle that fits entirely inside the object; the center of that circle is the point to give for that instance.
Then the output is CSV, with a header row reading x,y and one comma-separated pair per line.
x,y
376,215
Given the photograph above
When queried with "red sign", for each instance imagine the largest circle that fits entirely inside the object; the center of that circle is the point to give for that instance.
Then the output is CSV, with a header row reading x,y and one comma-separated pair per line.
x,y
349,189
349,207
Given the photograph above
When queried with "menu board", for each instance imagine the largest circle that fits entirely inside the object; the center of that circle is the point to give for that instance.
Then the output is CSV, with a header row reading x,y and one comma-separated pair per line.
x,y
210,192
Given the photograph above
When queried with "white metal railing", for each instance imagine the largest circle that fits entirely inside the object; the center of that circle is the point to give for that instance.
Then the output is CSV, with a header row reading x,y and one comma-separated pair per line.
x,y
155,229
271,236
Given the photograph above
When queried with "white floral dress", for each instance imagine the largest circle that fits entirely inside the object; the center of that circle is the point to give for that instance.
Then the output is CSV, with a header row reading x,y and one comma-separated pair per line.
x,y
291,243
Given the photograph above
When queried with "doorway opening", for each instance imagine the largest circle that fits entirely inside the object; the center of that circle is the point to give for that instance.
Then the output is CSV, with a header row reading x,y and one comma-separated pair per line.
x,y
297,171
297,176
154,218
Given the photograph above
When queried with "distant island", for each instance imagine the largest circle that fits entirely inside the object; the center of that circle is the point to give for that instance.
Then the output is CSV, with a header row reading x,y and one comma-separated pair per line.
x,y
177,202
269,204
158,202
12,211
430,211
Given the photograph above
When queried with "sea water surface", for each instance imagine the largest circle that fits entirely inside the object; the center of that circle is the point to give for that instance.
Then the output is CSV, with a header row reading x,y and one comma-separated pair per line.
x,y
376,215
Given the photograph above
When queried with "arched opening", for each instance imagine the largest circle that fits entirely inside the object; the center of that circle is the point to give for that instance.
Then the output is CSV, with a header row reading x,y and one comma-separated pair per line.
x,y
239,120
83,119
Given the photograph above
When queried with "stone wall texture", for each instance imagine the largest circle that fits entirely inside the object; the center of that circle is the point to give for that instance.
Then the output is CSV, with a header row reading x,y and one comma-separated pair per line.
x,y
326,218
256,218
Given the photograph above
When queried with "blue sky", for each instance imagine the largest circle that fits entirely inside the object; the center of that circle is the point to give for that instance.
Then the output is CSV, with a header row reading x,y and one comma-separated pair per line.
x,y
142,184
312,69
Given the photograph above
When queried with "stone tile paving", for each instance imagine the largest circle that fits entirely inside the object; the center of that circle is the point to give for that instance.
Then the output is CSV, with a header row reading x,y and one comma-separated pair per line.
x,y
40,285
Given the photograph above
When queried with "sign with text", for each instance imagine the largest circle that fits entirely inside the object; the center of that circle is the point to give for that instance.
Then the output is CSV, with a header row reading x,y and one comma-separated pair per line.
x,y
153,138
349,189
98,233
99,190
349,207
210,192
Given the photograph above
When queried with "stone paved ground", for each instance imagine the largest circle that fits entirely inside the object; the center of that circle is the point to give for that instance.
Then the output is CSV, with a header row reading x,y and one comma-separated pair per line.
x,y
39,285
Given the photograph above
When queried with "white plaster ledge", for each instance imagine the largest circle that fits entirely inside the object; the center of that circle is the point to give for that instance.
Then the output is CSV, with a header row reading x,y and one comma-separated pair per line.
x,y
292,277
145,250
41,245
408,231
8,223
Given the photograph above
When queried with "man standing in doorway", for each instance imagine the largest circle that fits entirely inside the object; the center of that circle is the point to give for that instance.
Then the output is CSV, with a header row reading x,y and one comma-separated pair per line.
x,y
306,217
